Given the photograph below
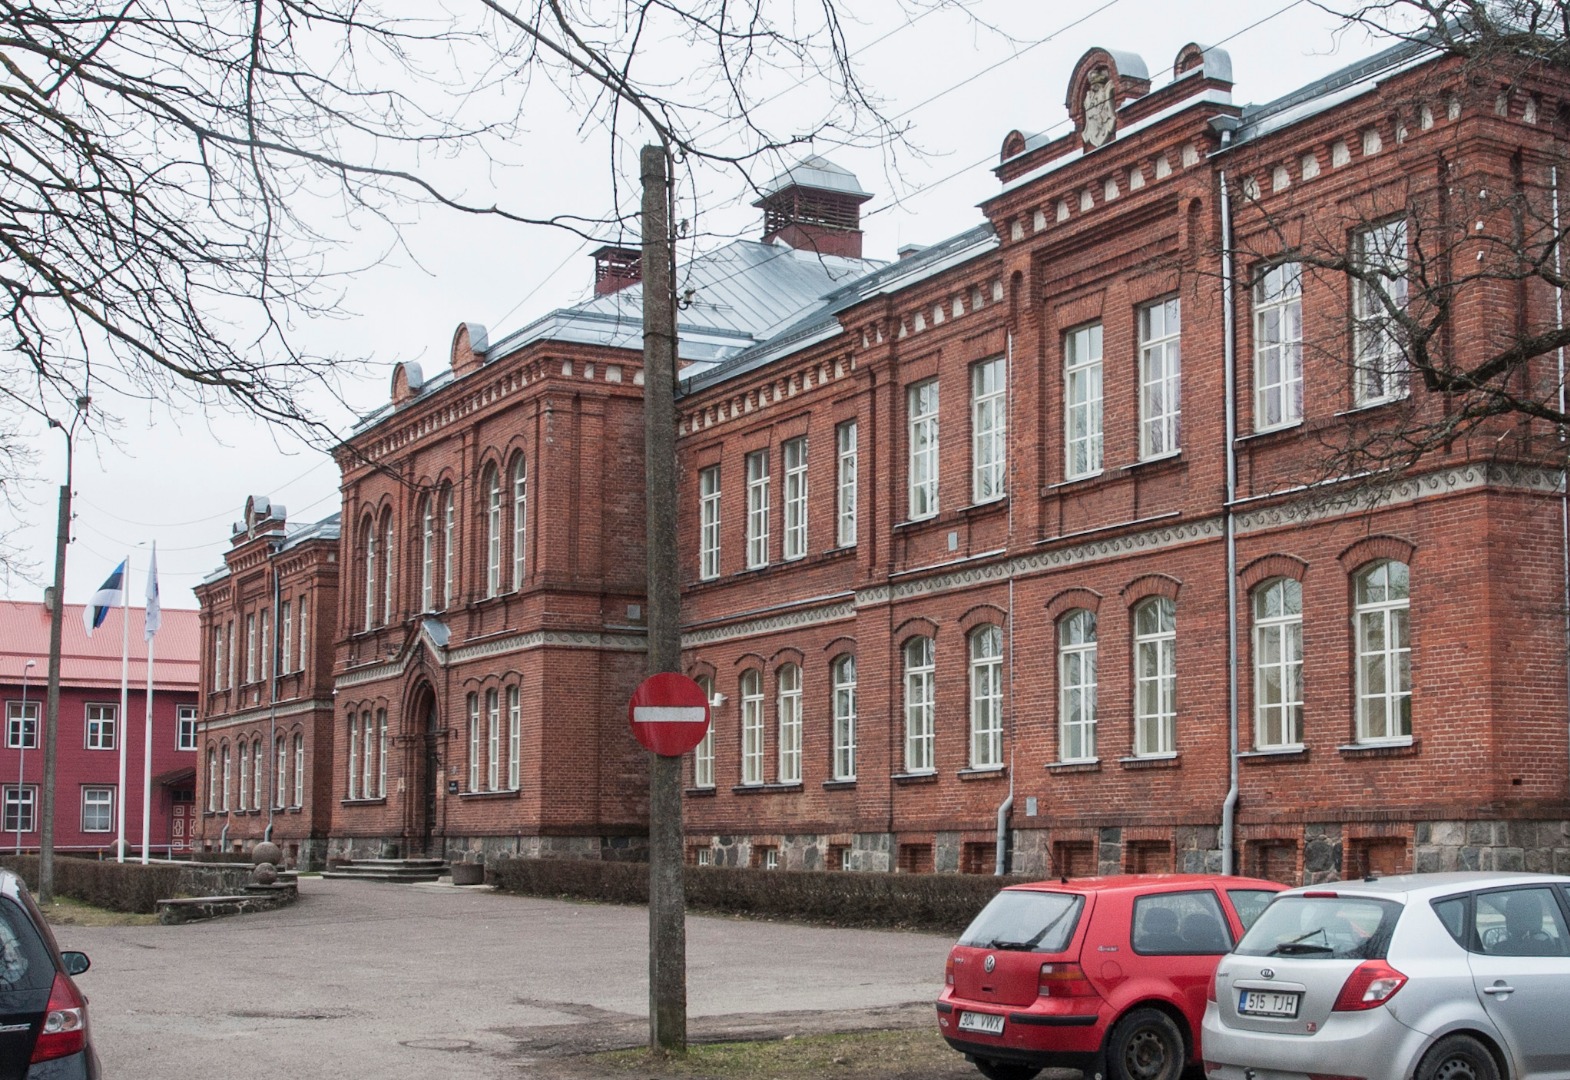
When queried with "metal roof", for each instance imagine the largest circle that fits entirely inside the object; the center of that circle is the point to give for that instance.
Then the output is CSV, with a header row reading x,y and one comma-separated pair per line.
x,y
818,173
95,661
329,528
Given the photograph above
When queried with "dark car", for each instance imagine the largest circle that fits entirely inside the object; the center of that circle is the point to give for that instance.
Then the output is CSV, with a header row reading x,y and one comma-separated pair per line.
x,y
1057,973
43,1016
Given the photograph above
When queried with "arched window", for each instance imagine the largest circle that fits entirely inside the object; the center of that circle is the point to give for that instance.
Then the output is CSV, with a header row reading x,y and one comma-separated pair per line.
x,y
428,554
1278,664
280,771
212,780
520,521
842,674
258,773
381,753
225,806
703,755
368,532
245,773
789,709
751,727
1077,686
474,742
354,756
919,717
986,697
493,759
514,736
493,532
368,786
389,565
449,548
1384,660
1155,677
299,770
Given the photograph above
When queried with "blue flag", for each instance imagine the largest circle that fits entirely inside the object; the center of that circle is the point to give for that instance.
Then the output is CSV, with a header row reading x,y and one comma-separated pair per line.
x,y
110,594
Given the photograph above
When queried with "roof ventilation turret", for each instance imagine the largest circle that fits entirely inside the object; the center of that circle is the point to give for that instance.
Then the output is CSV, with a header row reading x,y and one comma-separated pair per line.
x,y
814,206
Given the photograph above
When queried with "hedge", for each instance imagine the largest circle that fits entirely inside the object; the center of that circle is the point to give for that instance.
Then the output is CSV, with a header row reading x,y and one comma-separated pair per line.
x,y
939,902
117,886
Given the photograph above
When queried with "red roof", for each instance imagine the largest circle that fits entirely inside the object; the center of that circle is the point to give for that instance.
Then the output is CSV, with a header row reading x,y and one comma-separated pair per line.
x,y
95,661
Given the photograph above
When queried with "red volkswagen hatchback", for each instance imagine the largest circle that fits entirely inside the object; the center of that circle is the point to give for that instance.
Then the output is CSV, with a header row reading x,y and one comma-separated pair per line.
x,y
1057,973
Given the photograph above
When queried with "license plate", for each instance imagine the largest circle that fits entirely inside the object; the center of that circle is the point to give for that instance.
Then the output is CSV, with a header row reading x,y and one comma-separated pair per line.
x,y
1268,1003
986,1023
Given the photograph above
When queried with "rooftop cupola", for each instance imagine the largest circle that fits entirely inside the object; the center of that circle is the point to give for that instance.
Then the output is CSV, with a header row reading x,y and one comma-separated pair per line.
x,y
814,206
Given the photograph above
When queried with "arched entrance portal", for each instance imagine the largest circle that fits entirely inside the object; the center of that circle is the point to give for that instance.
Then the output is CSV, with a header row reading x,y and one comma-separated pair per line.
x,y
427,766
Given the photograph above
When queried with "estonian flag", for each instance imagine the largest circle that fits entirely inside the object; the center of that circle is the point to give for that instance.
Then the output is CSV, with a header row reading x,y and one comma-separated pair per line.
x,y
154,613
110,594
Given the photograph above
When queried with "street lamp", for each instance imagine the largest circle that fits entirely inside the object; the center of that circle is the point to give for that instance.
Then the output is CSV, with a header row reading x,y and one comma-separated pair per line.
x,y
21,751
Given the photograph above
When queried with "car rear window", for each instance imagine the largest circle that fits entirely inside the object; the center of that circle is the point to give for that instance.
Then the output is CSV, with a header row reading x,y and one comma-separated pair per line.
x,y
1027,920
25,963
1250,904
1323,927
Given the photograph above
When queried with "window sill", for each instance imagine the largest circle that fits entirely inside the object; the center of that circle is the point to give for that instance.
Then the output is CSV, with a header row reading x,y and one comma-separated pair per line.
x,y
1366,406
1072,480
1408,747
1061,767
916,523
364,802
484,796
907,779
1151,761
764,789
989,772
699,792
1266,433
1281,753
1171,458
978,509
840,785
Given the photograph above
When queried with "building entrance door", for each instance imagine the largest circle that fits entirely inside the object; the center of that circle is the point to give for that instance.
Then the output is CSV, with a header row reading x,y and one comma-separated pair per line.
x,y
432,775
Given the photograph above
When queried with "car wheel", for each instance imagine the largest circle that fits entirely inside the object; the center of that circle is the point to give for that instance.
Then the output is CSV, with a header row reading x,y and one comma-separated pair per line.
x,y
1006,1070
1458,1057
1147,1045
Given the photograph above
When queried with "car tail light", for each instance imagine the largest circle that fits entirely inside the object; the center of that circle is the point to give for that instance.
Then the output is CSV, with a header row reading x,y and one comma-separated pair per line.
x,y
1210,989
65,1022
948,971
1371,984
1064,980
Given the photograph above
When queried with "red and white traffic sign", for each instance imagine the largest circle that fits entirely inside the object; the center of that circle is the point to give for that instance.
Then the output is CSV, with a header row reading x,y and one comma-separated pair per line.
x,y
669,714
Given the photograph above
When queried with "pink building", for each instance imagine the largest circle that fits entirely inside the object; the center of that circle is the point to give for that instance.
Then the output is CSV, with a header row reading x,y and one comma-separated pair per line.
x,y
91,727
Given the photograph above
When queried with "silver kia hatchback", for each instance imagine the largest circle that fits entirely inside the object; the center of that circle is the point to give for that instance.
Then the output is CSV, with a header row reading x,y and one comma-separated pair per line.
x,y
1462,976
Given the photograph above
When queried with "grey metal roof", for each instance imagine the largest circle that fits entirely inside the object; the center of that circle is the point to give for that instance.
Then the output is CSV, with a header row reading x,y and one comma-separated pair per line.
x,y
329,528
818,173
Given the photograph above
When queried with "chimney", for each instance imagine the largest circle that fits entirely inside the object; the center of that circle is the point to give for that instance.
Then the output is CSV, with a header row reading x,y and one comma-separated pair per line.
x,y
814,206
615,268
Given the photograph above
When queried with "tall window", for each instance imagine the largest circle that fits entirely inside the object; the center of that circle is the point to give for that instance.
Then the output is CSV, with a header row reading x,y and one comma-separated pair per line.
x,y
98,809
212,780
1077,686
449,548
101,723
922,409
305,634
354,756
703,754
520,521
368,788
245,773
227,767
474,742
185,727
299,770
1155,677
286,636
427,555
751,727
1278,664
988,429
1160,370
234,651
1379,345
919,717
218,657
709,523
986,697
845,490
280,771
1082,401
1278,346
21,725
381,753
20,804
1384,660
843,677
265,642
795,454
250,647
389,566
493,533
757,509
493,760
514,736
258,774
790,724
370,573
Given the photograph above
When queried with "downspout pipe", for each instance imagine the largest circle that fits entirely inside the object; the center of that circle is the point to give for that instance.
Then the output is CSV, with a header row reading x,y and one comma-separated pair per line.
x,y
1225,126
1007,805
272,712
1564,473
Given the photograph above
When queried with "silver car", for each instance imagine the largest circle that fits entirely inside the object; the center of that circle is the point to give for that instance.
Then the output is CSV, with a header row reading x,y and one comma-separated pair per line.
x,y
1461,976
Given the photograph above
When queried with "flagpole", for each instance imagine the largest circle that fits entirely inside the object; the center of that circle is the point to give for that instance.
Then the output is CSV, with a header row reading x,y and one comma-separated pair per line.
x,y
125,695
151,617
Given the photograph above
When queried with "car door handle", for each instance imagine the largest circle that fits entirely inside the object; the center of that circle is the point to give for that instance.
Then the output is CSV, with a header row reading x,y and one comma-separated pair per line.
x,y
1499,988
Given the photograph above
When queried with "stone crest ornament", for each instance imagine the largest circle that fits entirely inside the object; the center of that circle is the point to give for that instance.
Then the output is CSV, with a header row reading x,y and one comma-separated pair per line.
x,y
1104,80
1100,115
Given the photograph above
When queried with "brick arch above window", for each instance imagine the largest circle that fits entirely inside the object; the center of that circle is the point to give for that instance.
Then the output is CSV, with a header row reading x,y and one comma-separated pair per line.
x,y
919,626
1143,588
983,615
1373,548
1269,567
842,644
1072,600
787,655
489,679
750,660
702,669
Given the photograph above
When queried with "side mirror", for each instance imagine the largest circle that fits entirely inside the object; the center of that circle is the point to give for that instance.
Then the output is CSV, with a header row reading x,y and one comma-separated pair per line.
x,y
75,962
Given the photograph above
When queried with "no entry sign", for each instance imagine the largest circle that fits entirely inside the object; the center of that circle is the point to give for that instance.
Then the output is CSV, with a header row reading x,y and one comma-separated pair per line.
x,y
668,714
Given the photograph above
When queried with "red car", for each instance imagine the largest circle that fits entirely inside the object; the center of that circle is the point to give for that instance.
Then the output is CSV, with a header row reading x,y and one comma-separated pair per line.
x,y
1056,974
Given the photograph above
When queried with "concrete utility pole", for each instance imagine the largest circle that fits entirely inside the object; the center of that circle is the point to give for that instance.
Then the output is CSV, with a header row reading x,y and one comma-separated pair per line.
x,y
667,893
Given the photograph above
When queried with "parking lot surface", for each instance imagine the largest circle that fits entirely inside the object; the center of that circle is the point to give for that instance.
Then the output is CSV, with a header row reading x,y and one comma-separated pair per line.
x,y
363,979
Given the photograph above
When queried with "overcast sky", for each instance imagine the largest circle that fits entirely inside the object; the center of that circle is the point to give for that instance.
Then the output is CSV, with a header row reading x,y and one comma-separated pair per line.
x,y
181,480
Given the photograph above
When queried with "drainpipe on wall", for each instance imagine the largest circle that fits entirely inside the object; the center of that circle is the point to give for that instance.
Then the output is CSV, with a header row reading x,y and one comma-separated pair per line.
x,y
272,712
1225,126
1564,473
1007,805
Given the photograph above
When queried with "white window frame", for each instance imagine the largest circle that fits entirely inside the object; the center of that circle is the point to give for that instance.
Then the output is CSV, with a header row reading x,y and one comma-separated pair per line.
x,y
299,769
305,636
19,813
709,523
1155,677
757,509
846,480
1384,704
381,753
520,522
474,742
102,726
218,657
1077,662
703,753
21,724
389,571
920,685
794,455
280,770
212,779
250,646
493,758
234,652
843,678
986,697
1082,408
1379,357
354,755
100,798
428,554
258,772
185,737
245,773
988,430
449,549
493,533
1278,664
265,644
788,714
751,694
1160,378
228,769
1278,347
285,636
514,737
921,401
368,784
370,574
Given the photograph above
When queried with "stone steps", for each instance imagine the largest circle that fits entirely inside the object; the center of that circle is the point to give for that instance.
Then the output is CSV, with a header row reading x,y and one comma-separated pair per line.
x,y
402,870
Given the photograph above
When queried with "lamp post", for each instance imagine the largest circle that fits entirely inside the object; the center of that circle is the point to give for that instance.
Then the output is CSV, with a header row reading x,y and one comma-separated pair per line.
x,y
21,751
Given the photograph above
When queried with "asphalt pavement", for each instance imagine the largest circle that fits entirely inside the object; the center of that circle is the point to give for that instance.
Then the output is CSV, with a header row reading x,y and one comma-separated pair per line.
x,y
398,982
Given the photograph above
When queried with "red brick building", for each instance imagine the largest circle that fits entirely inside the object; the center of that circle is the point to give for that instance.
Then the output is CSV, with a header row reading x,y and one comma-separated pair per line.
x,y
87,756
1041,543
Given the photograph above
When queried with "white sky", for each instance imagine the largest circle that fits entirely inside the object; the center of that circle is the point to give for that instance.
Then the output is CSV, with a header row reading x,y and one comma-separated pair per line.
x,y
180,480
